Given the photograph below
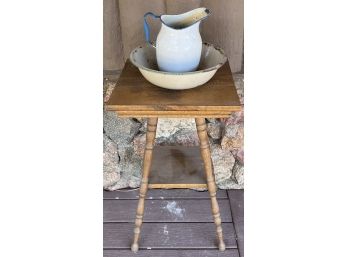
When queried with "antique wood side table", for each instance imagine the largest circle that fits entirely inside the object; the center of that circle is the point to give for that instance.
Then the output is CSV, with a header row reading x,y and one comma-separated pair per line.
x,y
133,96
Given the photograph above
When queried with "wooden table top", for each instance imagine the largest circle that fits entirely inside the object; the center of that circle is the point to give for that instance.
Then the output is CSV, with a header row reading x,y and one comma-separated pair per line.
x,y
134,96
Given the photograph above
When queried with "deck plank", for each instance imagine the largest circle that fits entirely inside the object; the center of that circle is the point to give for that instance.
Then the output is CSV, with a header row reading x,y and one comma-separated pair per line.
x,y
236,198
168,235
163,194
166,210
171,253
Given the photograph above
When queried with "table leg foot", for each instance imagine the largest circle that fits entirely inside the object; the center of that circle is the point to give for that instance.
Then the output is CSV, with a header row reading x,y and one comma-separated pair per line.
x,y
150,139
135,248
205,152
222,246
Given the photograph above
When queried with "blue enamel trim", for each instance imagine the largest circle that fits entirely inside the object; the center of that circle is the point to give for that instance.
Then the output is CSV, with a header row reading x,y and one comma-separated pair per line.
x,y
146,25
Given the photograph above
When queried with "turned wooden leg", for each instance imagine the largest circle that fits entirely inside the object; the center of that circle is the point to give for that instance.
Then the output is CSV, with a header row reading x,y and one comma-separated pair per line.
x,y
205,152
150,139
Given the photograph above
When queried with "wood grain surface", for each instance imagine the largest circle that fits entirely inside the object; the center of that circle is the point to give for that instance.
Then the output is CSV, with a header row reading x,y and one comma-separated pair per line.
x,y
196,239
236,198
166,210
183,168
208,167
172,253
137,97
162,194
150,140
168,235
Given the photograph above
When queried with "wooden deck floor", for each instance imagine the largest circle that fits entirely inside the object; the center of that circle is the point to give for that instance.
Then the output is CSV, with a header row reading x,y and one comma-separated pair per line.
x,y
177,223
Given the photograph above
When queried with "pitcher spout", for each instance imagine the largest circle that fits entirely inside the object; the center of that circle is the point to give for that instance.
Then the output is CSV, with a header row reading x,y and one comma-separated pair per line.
x,y
185,20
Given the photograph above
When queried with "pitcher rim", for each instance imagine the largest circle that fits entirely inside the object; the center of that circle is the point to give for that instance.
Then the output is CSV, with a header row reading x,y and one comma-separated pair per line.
x,y
207,11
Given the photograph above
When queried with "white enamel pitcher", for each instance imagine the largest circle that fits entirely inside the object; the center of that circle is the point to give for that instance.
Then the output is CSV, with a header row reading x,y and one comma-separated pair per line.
x,y
179,43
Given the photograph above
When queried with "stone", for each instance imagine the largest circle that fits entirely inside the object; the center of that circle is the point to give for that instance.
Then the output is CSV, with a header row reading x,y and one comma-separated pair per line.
x,y
235,118
122,168
236,180
120,130
223,162
168,127
130,167
111,168
214,129
229,172
139,144
238,173
229,184
176,132
233,137
143,122
240,155
184,137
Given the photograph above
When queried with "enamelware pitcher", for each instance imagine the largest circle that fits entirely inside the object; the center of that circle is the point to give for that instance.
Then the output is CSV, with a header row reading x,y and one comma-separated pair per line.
x,y
179,43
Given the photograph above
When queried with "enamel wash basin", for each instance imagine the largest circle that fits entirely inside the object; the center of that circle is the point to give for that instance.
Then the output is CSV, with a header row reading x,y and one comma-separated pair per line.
x,y
144,57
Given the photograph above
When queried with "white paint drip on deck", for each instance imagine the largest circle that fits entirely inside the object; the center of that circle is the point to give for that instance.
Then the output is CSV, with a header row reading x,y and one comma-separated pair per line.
x,y
174,209
166,233
165,230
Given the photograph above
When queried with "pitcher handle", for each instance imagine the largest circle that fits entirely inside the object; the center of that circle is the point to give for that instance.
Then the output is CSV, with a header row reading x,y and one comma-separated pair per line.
x,y
147,27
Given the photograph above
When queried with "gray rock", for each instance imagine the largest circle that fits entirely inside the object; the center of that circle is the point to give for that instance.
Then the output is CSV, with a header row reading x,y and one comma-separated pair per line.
x,y
187,137
143,124
223,162
235,118
168,127
229,184
233,137
183,136
111,168
214,129
139,144
120,130
236,179
240,155
130,166
176,131
122,168
238,173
